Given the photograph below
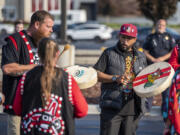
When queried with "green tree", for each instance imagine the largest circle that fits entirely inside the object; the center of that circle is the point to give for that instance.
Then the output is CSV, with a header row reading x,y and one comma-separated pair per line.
x,y
105,7
157,9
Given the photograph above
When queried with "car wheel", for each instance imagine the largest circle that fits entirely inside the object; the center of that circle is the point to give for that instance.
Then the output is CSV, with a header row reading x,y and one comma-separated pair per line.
x,y
98,39
70,38
3,32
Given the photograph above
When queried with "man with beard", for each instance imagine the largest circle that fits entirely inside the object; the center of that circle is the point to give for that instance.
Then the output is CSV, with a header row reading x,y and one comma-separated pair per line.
x,y
20,55
116,68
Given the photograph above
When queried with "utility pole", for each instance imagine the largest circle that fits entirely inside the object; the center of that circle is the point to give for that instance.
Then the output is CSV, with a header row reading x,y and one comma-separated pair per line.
x,y
20,9
63,22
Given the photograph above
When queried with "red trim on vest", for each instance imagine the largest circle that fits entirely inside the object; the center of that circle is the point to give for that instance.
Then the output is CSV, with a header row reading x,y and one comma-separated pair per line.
x,y
17,104
37,118
7,106
14,42
70,88
28,46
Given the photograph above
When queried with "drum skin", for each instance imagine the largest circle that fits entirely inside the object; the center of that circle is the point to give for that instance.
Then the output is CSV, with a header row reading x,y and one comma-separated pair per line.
x,y
153,80
85,77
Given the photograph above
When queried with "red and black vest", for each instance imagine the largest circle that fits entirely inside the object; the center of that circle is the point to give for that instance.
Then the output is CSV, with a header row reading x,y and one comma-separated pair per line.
x,y
17,50
56,116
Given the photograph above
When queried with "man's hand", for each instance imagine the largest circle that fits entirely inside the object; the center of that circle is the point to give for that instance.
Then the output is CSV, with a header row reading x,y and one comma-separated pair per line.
x,y
124,79
2,98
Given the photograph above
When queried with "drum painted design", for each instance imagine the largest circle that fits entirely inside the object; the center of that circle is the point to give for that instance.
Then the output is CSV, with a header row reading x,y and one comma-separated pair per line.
x,y
85,76
153,80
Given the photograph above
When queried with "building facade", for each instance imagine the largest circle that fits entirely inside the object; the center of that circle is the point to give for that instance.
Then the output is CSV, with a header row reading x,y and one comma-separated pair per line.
x,y
89,5
23,9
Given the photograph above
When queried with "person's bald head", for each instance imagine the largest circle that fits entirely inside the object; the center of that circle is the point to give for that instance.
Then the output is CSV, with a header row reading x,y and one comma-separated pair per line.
x,y
161,26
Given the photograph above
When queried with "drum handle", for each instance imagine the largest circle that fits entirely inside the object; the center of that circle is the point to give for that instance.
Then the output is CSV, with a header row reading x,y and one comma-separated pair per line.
x,y
66,47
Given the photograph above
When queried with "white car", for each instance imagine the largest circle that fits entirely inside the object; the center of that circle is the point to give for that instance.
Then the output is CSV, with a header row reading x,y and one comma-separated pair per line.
x,y
98,32
6,28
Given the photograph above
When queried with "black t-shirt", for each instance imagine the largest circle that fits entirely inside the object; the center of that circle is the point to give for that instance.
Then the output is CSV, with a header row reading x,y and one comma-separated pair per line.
x,y
15,51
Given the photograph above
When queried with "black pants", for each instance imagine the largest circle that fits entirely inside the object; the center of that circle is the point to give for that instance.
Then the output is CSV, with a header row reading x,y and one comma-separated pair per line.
x,y
112,123
164,106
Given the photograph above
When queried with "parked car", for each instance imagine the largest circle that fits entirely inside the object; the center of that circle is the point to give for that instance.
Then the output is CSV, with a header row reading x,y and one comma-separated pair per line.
x,y
57,28
143,32
90,31
6,28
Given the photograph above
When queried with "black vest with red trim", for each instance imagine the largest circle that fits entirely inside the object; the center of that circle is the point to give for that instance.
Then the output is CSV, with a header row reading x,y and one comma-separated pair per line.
x,y
21,45
57,115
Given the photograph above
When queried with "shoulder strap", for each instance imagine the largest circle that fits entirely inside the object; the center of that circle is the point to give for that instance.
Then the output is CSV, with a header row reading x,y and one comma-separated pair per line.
x,y
14,42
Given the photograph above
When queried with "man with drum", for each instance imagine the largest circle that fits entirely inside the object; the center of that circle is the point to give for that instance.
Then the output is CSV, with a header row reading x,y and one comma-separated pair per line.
x,y
116,68
158,47
19,56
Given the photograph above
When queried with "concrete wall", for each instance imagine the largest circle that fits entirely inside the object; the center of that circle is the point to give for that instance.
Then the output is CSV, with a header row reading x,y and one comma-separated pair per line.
x,y
2,3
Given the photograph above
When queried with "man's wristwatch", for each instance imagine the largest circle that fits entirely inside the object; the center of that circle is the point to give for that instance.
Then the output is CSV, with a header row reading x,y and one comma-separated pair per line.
x,y
114,78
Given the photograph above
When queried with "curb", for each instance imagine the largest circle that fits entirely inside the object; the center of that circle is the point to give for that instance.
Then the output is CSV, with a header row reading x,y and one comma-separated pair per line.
x,y
155,111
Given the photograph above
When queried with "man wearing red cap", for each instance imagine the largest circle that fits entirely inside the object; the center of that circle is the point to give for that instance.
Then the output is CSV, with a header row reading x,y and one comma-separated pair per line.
x,y
117,67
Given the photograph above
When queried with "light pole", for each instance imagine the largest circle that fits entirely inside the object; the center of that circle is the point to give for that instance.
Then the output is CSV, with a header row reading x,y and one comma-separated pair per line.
x,y
20,9
63,22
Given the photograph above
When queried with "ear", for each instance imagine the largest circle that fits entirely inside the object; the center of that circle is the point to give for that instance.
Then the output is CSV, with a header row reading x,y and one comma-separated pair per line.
x,y
37,24
57,55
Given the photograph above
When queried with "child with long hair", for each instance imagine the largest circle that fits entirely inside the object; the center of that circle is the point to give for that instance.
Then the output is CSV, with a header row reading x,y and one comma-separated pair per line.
x,y
47,97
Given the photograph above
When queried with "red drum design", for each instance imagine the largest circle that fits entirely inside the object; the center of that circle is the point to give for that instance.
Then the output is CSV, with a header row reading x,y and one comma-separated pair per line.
x,y
153,80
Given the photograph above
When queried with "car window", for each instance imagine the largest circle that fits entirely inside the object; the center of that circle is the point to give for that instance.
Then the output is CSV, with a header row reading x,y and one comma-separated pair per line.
x,y
69,17
91,28
86,27
80,28
171,31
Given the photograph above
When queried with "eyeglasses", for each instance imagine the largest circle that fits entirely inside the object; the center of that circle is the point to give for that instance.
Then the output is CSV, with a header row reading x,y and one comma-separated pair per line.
x,y
123,37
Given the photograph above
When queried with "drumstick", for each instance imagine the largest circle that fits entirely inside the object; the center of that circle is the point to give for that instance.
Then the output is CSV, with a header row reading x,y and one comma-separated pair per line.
x,y
66,47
